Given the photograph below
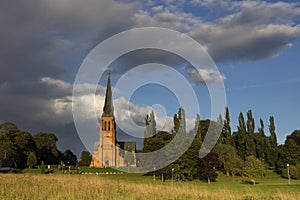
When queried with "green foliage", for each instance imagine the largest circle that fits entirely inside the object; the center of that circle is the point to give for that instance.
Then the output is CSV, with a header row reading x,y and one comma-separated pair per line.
x,y
24,145
273,146
46,147
294,171
31,160
253,167
250,148
295,136
207,167
228,159
6,147
69,158
288,153
226,132
240,137
85,158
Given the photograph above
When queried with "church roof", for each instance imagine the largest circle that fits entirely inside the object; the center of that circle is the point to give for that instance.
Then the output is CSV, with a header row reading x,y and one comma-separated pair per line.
x,y
108,109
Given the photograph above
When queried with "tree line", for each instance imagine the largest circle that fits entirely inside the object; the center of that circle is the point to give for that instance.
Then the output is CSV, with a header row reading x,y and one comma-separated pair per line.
x,y
26,150
246,152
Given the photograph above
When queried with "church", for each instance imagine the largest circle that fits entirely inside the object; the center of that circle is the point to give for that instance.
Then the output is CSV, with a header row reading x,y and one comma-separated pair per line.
x,y
109,152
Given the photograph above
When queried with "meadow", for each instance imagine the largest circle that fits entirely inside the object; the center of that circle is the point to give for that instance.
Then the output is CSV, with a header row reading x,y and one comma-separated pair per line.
x,y
136,186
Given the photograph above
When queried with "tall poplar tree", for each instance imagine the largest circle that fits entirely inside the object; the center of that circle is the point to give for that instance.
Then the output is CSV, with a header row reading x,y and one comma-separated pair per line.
x,y
250,137
240,140
273,151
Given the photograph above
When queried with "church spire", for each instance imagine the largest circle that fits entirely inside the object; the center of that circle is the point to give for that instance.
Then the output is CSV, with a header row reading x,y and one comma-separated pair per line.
x,y
108,109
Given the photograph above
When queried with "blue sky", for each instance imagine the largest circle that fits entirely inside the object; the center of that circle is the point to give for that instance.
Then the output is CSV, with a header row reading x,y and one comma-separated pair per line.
x,y
255,45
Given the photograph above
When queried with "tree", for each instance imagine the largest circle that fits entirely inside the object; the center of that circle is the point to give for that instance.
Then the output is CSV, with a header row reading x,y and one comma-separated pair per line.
x,y
24,145
254,167
206,167
69,158
46,147
227,128
85,158
6,147
31,160
240,137
150,125
260,142
176,124
228,159
295,136
250,137
289,153
273,148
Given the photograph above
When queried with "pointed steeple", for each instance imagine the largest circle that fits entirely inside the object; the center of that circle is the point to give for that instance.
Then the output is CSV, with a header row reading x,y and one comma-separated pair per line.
x,y
108,109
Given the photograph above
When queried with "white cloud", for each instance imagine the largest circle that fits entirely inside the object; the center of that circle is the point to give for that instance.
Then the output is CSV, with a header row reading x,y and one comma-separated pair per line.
x,y
204,76
129,117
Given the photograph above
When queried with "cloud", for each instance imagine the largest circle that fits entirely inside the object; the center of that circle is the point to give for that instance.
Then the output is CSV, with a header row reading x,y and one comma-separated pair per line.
x,y
44,42
249,30
204,76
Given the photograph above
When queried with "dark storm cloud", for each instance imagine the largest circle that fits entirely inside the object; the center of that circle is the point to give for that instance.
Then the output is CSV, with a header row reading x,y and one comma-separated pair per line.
x,y
43,39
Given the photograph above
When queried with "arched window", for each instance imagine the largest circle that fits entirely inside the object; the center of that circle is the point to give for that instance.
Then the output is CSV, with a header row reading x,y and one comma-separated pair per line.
x,y
105,125
109,126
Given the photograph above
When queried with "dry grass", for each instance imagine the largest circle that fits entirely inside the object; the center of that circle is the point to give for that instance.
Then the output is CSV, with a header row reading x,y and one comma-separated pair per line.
x,y
33,186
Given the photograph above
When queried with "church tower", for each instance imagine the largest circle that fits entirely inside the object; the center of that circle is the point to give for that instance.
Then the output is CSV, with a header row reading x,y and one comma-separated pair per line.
x,y
108,130
105,154
109,152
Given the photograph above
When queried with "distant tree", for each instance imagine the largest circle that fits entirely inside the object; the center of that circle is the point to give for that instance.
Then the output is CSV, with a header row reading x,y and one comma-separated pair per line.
x,y
9,129
273,146
228,159
289,153
150,125
295,136
153,144
227,128
240,137
176,124
250,137
206,167
24,145
69,158
6,147
197,127
260,142
46,147
85,158
250,123
254,168
31,160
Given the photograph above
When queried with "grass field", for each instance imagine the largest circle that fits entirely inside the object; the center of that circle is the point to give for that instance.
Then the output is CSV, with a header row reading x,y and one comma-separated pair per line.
x,y
136,186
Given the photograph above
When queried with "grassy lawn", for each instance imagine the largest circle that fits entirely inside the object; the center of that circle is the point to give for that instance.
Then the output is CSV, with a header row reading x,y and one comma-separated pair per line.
x,y
137,186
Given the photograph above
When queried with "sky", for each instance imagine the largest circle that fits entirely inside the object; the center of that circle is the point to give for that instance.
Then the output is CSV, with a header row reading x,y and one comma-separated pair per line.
x,y
254,44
